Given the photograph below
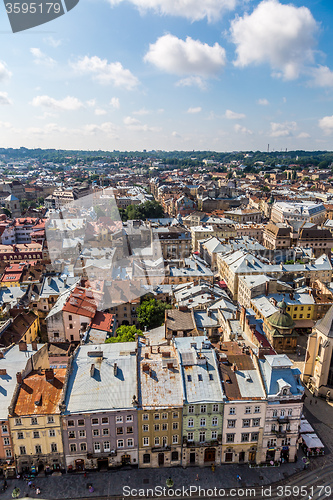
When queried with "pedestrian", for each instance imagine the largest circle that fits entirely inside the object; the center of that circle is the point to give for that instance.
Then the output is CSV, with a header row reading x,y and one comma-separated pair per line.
x,y
91,489
315,402
85,475
37,491
197,478
239,478
30,483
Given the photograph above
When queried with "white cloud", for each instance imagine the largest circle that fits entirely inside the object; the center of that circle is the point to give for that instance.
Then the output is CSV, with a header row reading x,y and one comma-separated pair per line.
x,y
194,110
142,111
100,112
242,130
189,57
107,128
285,129
135,124
231,115
322,77
41,58
129,120
5,125
115,103
190,9
67,104
303,135
192,81
175,134
106,73
4,99
4,72
326,124
280,35
263,102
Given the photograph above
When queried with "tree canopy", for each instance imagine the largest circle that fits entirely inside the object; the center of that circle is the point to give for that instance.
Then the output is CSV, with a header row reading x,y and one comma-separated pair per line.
x,y
151,313
125,333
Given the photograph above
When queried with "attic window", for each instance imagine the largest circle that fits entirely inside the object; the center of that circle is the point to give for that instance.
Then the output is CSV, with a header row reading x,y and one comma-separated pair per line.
x,y
189,378
200,377
211,376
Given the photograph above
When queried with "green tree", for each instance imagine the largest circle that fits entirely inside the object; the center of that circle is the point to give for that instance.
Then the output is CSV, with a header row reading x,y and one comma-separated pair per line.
x,y
125,333
151,313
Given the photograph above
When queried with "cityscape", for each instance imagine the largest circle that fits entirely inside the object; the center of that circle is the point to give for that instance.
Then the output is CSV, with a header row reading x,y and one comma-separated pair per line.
x,y
165,311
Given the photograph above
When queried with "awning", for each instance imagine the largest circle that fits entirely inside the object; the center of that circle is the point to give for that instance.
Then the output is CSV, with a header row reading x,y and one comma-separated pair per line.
x,y
305,427
312,441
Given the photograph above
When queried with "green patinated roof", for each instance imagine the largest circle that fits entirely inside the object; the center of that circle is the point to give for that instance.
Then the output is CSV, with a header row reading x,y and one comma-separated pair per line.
x,y
281,319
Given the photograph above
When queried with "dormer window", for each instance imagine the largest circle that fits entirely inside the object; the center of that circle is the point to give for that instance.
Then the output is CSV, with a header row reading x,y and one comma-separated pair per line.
x,y
284,392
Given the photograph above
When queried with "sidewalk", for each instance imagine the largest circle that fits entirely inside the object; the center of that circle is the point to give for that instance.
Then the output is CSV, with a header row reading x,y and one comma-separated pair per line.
x,y
111,483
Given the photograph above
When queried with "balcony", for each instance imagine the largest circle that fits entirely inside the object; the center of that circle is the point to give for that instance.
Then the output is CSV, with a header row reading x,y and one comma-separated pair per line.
x,y
193,444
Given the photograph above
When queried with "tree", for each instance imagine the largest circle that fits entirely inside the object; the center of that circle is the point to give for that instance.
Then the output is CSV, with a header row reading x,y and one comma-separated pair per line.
x,y
125,333
151,313
147,210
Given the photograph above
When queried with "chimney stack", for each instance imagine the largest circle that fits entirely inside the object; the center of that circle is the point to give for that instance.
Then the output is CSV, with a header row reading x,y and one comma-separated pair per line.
x,y
115,369
92,370
49,374
1,355
22,346
34,346
19,378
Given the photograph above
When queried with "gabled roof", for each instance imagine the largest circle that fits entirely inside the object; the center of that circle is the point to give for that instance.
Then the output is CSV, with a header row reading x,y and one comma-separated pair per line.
x,y
325,325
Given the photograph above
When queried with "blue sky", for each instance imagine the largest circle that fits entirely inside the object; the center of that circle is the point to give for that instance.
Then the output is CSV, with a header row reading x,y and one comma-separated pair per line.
x,y
171,74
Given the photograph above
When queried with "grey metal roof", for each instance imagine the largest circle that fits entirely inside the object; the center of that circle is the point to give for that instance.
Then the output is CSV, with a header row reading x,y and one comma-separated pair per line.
x,y
199,370
13,361
104,390
325,325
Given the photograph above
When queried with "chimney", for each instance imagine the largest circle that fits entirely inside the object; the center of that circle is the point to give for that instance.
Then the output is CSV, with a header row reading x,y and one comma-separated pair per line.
x,y
1,355
34,346
22,346
146,355
115,369
267,288
49,374
3,371
19,378
92,369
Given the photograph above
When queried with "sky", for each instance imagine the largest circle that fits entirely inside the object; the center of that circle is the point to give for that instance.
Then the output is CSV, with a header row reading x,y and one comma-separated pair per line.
x,y
220,75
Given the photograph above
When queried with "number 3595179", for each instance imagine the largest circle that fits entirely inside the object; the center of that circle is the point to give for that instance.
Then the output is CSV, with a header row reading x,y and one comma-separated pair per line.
x,y
33,8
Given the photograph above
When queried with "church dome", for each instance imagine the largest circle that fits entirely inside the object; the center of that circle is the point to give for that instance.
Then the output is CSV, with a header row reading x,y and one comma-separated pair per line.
x,y
281,319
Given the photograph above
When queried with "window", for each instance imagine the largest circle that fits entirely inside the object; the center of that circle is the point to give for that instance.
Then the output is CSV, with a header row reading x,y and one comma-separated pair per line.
x,y
174,426
200,377
94,421
105,420
8,453
214,421
282,412
164,427
230,438
202,422
175,439
157,416
245,437
70,317
106,446
146,441
6,442
190,422
119,431
83,447
51,433
255,422
23,451
34,421
232,411
246,422
157,427
50,420
214,434
129,418
211,376
72,447
20,435
175,414
129,430
254,436
119,419
105,431
97,447
36,434
231,423
274,413
4,429
191,409
164,441
273,428
203,408
271,443
145,428
18,421
157,441
215,408
190,436
248,409
96,432
174,456
202,437
80,422
71,434
54,448
130,442
145,416
164,416
257,409
290,412
146,458
189,378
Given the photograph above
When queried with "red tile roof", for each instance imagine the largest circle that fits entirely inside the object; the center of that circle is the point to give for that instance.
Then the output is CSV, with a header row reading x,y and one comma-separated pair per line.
x,y
82,302
103,321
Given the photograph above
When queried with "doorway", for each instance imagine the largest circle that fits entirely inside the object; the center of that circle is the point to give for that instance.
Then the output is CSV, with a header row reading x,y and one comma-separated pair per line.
x,y
252,456
229,456
241,457
192,458
79,465
161,459
125,459
210,455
